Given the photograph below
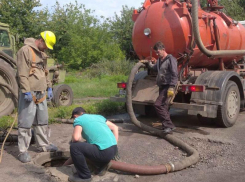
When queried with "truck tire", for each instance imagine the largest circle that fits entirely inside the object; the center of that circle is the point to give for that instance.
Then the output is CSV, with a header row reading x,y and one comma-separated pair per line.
x,y
7,99
63,95
227,113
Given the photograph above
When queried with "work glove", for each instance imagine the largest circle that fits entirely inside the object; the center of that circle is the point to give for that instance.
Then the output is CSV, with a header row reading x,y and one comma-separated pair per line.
x,y
144,61
170,92
28,97
50,93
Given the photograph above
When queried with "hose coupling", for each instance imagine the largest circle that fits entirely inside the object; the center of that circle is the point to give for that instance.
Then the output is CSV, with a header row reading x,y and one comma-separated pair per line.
x,y
172,166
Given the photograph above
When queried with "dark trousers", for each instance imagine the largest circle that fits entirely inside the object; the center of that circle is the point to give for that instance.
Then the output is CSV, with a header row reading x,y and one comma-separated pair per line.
x,y
162,106
82,150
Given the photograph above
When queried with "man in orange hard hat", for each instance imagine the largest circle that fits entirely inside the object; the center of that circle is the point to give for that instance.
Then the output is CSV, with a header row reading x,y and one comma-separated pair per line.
x,y
33,82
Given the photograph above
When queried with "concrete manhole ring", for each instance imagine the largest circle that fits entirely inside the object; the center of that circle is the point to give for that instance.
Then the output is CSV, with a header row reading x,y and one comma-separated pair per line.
x,y
51,159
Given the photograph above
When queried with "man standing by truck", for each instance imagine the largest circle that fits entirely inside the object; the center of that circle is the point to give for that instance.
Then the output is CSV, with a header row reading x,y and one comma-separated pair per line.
x,y
33,83
167,78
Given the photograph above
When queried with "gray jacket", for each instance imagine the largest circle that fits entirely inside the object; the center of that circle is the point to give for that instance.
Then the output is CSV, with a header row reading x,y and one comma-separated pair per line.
x,y
167,71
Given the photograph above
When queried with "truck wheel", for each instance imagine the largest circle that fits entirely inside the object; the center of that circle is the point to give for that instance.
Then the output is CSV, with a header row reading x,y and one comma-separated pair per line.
x,y
227,113
7,100
63,95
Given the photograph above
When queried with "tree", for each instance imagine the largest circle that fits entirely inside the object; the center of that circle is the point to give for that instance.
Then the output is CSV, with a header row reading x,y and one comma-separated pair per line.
x,y
22,17
121,28
233,8
81,39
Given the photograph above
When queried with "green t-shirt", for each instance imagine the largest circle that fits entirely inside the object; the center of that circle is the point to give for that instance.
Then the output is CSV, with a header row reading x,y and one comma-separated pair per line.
x,y
95,130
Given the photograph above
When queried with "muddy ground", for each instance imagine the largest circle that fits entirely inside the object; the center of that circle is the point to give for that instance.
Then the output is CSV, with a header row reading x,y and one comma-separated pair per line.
x,y
221,150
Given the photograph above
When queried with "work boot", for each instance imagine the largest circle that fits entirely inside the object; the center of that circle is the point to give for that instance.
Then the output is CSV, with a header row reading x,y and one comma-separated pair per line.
x,y
116,157
167,130
76,178
48,148
24,157
102,170
51,148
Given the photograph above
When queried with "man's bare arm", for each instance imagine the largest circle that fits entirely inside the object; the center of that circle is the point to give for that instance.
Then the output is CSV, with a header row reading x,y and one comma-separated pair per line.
x,y
113,128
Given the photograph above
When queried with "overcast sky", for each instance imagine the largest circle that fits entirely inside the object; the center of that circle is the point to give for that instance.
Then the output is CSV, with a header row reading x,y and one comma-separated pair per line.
x,y
104,8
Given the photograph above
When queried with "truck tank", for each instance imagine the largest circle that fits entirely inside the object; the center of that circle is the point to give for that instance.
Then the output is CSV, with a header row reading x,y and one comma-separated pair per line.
x,y
170,21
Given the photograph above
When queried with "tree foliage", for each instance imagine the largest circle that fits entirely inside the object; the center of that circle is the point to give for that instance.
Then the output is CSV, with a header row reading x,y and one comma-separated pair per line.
x,y
82,38
121,27
22,17
233,8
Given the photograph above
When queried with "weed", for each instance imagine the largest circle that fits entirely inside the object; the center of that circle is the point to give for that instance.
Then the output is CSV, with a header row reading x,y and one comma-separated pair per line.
x,y
6,122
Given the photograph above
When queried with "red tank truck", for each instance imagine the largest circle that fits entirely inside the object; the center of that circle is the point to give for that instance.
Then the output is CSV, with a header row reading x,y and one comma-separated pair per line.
x,y
210,49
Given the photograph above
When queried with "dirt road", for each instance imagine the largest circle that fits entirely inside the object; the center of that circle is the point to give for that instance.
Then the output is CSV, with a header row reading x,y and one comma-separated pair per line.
x,y
222,156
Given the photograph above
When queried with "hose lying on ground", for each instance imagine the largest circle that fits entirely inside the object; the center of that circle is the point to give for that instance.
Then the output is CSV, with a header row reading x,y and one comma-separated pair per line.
x,y
160,169
170,167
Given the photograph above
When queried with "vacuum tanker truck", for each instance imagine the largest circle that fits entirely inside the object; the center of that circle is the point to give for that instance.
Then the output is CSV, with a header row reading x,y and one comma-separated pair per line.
x,y
209,47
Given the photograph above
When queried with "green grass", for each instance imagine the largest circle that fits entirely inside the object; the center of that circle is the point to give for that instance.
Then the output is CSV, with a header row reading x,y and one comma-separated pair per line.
x,y
103,107
105,86
6,122
99,80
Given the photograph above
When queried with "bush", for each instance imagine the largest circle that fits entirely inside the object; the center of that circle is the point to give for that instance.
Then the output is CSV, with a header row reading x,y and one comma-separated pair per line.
x,y
106,67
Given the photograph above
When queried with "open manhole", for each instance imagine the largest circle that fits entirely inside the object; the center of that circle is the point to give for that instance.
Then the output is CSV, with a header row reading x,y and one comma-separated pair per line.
x,y
51,159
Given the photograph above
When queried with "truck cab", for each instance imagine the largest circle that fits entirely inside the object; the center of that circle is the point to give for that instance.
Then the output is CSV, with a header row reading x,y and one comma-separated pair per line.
x,y
7,41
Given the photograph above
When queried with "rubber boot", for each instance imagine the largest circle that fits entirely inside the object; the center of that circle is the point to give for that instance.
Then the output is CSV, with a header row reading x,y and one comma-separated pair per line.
x,y
24,157
76,178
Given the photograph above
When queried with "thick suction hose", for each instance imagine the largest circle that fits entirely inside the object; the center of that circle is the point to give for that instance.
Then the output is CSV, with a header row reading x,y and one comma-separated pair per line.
x,y
193,154
203,49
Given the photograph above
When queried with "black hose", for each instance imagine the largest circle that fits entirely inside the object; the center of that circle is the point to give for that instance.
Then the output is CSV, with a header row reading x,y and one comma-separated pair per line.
x,y
193,154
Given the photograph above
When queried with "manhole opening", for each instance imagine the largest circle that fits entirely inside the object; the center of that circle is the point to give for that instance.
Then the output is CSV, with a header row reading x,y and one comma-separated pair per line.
x,y
52,159
55,163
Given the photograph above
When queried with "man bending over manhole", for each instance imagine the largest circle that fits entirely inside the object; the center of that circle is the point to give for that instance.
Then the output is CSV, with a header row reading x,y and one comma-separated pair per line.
x,y
100,147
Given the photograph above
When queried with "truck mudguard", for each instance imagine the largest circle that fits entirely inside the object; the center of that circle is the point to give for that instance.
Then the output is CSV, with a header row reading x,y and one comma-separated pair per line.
x,y
215,82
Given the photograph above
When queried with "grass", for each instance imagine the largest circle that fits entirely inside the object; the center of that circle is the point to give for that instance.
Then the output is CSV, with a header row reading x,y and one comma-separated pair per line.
x,y
105,86
6,122
103,107
100,80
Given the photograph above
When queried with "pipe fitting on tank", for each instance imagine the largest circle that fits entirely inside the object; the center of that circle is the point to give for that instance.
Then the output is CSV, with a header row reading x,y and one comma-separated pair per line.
x,y
203,49
147,31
